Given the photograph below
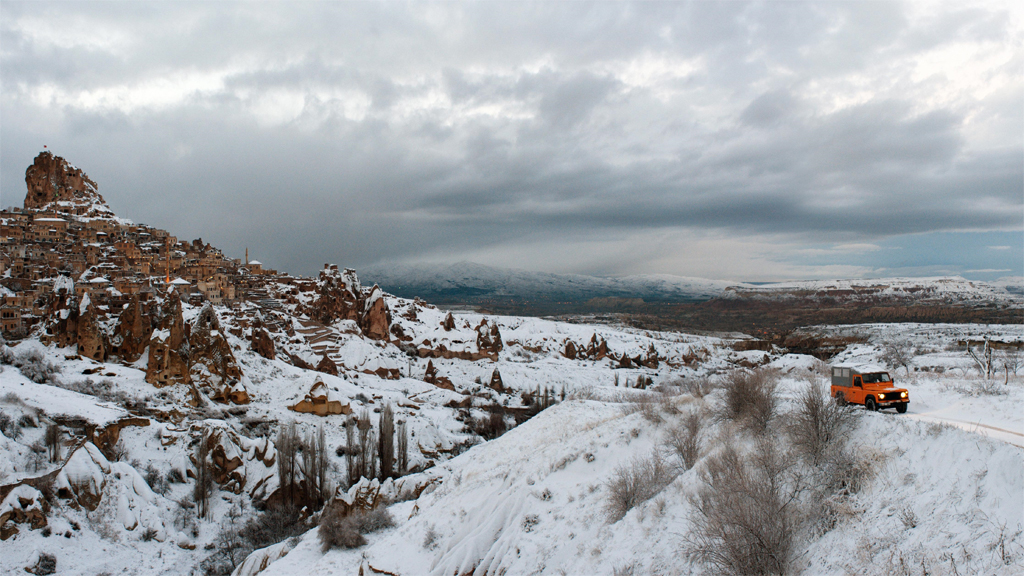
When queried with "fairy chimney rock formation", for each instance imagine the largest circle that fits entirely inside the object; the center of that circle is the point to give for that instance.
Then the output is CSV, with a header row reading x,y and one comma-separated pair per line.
x,y
376,318
168,347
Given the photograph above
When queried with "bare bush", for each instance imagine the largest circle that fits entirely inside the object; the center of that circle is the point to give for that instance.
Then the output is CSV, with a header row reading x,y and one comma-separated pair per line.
x,y
35,367
819,424
897,354
339,531
314,467
52,437
744,517
750,398
648,405
8,427
684,440
635,482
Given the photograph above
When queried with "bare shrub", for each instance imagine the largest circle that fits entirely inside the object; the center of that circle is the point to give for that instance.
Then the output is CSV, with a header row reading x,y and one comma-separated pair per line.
x,y
148,534
744,516
750,398
157,481
648,407
8,427
897,354
117,452
338,531
635,482
35,367
684,440
819,424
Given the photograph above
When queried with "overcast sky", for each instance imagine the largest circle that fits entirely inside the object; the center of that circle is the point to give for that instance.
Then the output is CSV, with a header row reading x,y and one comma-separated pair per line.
x,y
743,141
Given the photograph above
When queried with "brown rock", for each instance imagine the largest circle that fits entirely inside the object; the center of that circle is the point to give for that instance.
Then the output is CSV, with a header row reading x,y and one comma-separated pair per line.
x,y
488,339
433,377
449,323
496,383
132,332
327,366
318,401
51,179
338,296
90,338
168,347
211,362
375,321
570,350
262,343
61,325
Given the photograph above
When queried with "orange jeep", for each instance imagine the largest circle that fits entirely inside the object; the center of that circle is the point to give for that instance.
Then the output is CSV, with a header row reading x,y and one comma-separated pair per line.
x,y
872,389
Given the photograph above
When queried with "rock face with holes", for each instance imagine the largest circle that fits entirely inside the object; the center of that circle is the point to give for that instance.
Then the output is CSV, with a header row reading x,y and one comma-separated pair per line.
x,y
338,296
61,325
169,347
53,184
212,365
132,332
91,340
262,344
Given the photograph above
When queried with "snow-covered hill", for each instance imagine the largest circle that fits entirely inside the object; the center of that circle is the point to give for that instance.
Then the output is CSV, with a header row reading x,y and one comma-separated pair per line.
x,y
949,288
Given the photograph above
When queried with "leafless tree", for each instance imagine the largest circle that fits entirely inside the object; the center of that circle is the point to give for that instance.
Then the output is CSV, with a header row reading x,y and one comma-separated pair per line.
x,y
204,474
315,466
402,459
897,354
351,450
982,359
287,445
53,437
386,442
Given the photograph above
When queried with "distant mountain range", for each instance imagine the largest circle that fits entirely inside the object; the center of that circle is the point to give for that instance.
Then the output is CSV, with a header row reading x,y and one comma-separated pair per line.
x,y
468,281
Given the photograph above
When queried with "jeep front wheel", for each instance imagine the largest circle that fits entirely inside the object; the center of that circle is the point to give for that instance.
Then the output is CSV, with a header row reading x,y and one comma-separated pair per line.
x,y
901,408
870,404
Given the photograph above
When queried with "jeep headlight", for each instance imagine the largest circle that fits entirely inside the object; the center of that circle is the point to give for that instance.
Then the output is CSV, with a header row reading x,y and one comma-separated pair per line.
x,y
881,396
903,394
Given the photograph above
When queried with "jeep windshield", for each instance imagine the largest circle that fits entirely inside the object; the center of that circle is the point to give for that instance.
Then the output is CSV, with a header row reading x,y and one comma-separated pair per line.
x,y
876,378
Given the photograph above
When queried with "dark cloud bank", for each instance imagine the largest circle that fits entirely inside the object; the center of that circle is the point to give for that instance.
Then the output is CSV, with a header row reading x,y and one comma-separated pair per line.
x,y
746,141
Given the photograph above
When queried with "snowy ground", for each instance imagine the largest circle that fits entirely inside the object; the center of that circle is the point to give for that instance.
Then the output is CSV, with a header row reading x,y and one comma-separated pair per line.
x,y
945,494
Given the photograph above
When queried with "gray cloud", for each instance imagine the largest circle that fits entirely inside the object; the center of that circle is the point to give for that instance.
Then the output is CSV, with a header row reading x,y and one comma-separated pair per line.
x,y
355,133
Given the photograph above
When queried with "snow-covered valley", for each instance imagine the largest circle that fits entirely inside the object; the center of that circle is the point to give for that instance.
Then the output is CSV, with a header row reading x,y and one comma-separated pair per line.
x,y
941,488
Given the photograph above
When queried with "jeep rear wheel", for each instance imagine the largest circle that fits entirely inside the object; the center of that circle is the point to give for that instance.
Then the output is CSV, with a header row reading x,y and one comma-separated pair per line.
x,y
901,408
870,404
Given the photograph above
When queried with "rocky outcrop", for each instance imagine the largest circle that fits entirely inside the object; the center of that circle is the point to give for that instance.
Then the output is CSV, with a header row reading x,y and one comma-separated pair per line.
x,y
212,364
338,296
496,383
61,325
132,332
432,376
23,505
488,339
570,350
375,321
169,348
89,336
327,366
448,323
53,184
262,344
318,401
